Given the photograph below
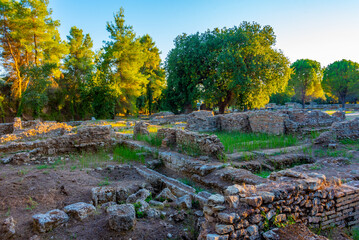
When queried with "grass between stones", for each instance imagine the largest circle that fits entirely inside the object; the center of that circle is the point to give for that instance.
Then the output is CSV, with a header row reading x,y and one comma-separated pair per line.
x,y
125,155
263,174
238,141
151,139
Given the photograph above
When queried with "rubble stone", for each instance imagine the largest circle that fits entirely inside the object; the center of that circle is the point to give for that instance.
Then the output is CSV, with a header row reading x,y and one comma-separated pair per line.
x,y
50,220
122,217
7,230
80,210
102,195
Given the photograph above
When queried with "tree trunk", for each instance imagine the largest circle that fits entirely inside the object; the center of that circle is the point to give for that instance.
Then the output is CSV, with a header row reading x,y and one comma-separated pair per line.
x,y
303,98
222,107
188,108
343,101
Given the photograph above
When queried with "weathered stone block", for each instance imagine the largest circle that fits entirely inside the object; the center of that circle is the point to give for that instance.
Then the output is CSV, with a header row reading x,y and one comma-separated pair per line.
x,y
48,221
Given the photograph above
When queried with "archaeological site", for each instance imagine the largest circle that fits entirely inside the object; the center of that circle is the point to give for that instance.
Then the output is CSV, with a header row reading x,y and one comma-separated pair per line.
x,y
188,120
265,174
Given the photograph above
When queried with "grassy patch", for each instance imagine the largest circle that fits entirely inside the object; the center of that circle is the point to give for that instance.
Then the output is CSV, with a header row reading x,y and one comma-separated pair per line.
x,y
91,159
354,232
104,182
31,204
263,174
125,155
238,141
151,139
189,149
191,184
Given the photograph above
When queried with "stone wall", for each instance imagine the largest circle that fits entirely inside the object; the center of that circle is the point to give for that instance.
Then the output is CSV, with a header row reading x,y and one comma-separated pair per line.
x,y
245,212
302,120
263,121
234,122
191,141
346,130
6,128
168,119
141,128
267,122
202,121
86,138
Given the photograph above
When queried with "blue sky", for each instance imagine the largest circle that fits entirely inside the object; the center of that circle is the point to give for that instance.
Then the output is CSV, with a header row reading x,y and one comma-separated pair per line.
x,y
322,30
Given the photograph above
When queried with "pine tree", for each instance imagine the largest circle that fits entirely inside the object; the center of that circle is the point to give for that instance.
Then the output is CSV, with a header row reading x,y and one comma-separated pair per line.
x,y
120,65
78,69
153,72
29,39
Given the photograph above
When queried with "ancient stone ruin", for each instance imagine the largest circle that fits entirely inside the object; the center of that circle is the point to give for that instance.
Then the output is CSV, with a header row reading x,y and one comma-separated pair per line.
x,y
272,122
188,174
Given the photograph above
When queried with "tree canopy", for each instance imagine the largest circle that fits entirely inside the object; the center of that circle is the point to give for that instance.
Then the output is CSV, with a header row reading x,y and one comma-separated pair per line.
x,y
306,80
46,77
238,66
341,79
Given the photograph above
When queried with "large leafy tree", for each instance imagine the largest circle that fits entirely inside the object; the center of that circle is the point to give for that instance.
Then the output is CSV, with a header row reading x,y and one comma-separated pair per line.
x,y
341,79
306,80
249,69
29,38
78,70
185,68
222,67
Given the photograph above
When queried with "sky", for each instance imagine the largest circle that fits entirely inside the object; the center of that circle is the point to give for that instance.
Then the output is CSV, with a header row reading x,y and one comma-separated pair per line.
x,y
322,30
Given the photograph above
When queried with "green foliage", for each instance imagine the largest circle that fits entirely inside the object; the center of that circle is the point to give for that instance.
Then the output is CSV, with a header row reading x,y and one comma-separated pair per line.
x,y
78,73
341,79
35,96
125,155
235,66
139,214
306,80
29,37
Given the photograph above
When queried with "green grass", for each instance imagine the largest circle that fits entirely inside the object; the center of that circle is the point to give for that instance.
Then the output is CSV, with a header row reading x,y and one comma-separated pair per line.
x,y
189,149
355,233
151,139
238,141
333,153
264,173
105,182
125,155
191,184
91,159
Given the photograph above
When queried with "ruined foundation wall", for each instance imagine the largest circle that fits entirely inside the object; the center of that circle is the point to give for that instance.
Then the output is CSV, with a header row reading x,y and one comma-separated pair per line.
x,y
202,121
272,122
267,122
249,211
85,138
168,119
203,143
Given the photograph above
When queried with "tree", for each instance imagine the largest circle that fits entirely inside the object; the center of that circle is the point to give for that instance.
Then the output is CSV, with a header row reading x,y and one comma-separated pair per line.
x,y
78,70
306,80
341,79
120,65
154,73
184,67
29,37
230,66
